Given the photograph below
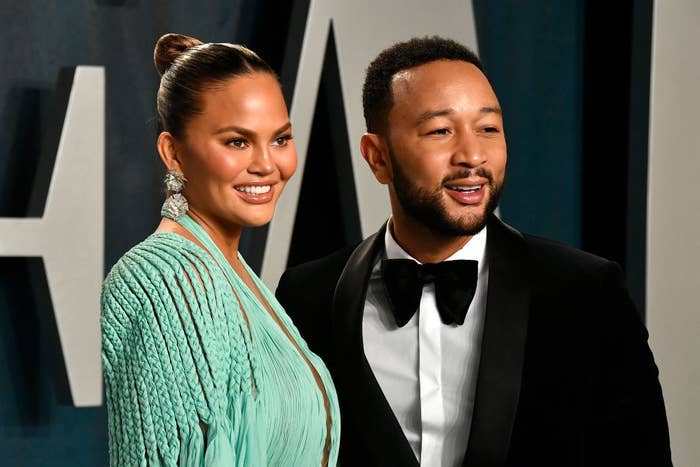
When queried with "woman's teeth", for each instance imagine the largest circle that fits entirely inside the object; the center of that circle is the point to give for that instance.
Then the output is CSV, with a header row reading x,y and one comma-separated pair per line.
x,y
254,190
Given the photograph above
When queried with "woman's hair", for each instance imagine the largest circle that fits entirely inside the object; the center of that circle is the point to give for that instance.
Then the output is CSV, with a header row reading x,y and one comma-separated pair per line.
x,y
189,67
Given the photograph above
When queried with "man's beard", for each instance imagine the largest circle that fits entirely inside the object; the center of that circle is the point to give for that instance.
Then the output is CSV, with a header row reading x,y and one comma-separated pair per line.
x,y
428,208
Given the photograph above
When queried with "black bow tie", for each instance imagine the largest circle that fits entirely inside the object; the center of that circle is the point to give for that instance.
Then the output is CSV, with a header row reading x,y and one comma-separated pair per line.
x,y
455,284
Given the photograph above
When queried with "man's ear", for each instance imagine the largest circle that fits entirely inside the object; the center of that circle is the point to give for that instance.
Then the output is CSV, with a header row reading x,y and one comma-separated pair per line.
x,y
376,152
167,149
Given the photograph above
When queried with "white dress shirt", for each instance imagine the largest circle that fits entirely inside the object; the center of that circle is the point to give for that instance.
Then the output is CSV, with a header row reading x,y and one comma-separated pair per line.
x,y
427,370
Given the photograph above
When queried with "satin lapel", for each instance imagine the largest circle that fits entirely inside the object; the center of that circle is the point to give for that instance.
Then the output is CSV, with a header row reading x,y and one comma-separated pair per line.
x,y
502,348
365,411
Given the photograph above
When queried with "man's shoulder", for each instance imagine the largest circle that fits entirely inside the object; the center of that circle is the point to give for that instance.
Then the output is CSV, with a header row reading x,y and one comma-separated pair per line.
x,y
556,262
331,264
306,293
546,252
546,259
318,275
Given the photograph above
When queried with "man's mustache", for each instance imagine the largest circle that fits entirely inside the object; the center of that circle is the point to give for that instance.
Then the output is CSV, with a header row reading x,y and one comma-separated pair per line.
x,y
477,172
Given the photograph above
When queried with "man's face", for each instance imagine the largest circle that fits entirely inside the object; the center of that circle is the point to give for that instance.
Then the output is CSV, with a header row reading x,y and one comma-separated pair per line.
x,y
447,147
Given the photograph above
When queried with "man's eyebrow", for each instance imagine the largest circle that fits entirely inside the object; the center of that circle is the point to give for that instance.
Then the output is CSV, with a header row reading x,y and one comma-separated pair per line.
x,y
488,110
425,116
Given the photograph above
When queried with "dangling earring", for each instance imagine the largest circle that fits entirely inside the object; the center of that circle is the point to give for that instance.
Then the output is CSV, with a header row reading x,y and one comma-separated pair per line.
x,y
175,205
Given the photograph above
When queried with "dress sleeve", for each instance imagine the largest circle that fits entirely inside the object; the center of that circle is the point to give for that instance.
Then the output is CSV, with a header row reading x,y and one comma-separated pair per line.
x,y
173,356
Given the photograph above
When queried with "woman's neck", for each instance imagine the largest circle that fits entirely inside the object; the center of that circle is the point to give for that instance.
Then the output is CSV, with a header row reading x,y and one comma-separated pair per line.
x,y
226,236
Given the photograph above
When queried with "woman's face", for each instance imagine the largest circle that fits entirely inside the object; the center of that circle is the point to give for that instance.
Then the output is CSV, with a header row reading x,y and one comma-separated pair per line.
x,y
238,153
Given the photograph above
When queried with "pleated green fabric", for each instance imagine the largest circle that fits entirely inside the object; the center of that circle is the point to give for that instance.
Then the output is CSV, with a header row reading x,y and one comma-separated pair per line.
x,y
188,383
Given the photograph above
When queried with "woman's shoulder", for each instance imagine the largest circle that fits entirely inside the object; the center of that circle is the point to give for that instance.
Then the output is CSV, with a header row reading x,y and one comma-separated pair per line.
x,y
154,264
159,252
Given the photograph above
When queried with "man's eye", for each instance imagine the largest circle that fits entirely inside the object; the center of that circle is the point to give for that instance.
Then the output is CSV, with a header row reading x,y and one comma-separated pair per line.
x,y
439,131
491,129
282,141
239,143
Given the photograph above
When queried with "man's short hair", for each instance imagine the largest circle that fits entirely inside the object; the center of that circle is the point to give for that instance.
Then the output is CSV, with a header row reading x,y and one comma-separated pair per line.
x,y
377,98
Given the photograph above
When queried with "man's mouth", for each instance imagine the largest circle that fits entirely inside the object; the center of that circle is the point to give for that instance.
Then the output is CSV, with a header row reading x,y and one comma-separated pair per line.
x,y
472,194
465,188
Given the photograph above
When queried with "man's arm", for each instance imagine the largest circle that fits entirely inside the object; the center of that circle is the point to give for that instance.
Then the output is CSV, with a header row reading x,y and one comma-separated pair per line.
x,y
628,423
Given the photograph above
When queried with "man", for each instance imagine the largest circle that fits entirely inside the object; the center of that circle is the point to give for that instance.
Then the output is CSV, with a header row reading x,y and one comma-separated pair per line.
x,y
549,366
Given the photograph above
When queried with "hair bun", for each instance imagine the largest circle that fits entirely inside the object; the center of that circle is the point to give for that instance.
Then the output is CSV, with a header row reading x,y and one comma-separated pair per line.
x,y
169,47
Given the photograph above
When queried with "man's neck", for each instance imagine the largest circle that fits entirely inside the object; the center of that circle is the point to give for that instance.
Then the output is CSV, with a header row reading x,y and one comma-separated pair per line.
x,y
424,244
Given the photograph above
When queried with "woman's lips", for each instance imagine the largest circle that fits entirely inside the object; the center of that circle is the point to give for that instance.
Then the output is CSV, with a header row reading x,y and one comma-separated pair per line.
x,y
470,195
256,194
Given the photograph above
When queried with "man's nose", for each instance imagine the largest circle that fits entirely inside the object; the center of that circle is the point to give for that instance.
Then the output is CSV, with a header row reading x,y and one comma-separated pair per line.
x,y
468,152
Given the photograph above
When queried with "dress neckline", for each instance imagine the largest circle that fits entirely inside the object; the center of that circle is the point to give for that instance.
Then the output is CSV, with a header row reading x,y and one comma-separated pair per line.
x,y
208,246
271,313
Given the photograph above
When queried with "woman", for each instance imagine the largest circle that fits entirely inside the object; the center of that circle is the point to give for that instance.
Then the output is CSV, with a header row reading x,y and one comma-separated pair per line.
x,y
202,365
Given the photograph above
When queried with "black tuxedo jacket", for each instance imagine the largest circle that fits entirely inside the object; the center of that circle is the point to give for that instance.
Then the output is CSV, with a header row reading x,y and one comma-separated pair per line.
x,y
566,377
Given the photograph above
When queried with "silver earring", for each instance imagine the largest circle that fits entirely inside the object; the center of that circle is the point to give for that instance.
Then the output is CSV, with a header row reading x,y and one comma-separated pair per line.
x,y
175,205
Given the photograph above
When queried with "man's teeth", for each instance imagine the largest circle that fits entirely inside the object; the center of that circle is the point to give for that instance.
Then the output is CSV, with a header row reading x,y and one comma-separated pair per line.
x,y
466,189
254,190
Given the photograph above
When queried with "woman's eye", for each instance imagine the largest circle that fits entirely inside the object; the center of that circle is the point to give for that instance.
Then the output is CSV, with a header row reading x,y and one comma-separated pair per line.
x,y
282,141
239,143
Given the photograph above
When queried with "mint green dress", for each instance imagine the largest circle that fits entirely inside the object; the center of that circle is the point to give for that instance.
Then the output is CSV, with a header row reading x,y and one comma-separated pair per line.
x,y
188,383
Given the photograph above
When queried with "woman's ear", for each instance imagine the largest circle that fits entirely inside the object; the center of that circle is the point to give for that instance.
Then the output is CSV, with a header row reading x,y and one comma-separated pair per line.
x,y
376,153
168,151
